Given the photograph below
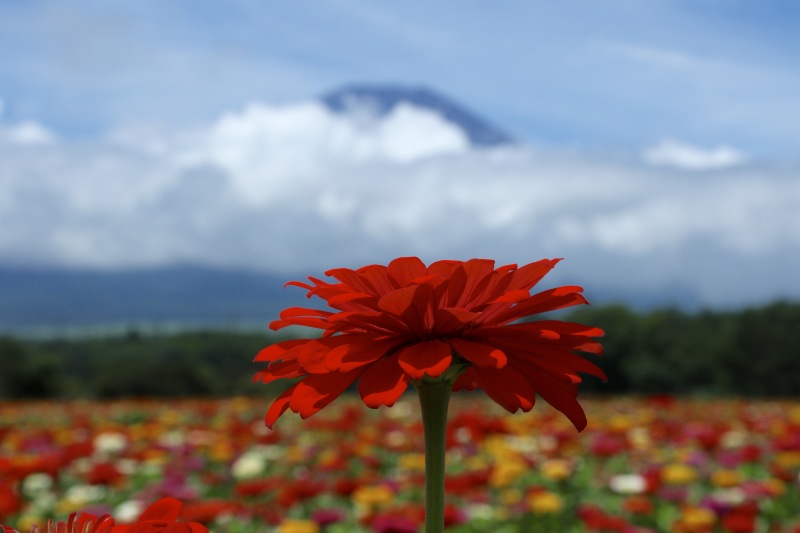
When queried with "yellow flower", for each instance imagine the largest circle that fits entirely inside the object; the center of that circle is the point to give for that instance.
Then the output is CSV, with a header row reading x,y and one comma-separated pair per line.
x,y
298,526
25,522
221,452
678,474
412,461
726,478
373,496
794,414
327,457
775,486
155,456
497,446
620,423
788,459
506,472
697,519
545,502
295,454
476,462
556,469
364,449
510,496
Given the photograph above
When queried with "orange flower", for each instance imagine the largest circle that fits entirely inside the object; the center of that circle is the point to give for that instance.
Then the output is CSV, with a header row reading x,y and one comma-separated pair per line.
x,y
452,320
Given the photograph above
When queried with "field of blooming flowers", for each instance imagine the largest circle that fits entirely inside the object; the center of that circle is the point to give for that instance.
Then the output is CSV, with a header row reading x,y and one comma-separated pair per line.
x,y
650,464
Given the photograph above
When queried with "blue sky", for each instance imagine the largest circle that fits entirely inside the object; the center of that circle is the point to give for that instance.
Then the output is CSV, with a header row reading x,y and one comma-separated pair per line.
x,y
658,139
598,75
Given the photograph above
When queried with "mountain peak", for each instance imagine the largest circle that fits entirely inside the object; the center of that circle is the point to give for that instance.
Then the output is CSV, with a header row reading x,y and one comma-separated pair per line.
x,y
382,99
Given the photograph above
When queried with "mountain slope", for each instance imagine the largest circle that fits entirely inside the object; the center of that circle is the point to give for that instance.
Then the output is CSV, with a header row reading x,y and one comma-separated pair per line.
x,y
191,296
381,99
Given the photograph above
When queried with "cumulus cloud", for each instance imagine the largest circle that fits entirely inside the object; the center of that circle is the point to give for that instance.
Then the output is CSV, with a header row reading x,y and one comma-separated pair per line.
x,y
671,153
299,189
269,151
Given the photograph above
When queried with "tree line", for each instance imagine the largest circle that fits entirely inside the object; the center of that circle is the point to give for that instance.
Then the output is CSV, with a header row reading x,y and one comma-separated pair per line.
x,y
751,352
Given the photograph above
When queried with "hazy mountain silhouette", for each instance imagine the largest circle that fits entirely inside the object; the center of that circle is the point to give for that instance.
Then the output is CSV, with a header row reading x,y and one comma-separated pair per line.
x,y
381,99
193,296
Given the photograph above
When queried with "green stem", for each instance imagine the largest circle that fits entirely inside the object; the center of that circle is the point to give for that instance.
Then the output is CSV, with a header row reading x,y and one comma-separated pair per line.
x,y
433,399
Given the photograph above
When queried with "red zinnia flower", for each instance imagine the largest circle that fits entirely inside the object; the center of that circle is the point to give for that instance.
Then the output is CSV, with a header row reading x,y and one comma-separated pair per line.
x,y
406,321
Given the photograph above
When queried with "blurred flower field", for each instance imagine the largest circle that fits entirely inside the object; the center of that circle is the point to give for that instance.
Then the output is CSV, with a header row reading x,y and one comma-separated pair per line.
x,y
647,464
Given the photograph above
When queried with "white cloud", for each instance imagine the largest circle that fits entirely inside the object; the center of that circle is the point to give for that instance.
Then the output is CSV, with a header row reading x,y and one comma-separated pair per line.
x,y
297,188
671,153
25,133
270,151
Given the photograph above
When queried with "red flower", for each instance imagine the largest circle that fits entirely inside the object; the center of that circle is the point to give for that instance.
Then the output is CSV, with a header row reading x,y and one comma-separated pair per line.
x,y
395,324
104,474
161,517
10,501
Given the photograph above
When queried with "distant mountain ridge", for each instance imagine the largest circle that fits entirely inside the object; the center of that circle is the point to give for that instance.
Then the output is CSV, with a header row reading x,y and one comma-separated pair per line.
x,y
381,99
190,296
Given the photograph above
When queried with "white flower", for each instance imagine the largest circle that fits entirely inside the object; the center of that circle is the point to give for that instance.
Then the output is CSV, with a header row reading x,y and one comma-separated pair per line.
x,y
628,484
36,483
85,494
110,443
248,465
128,511
172,439
730,496
127,466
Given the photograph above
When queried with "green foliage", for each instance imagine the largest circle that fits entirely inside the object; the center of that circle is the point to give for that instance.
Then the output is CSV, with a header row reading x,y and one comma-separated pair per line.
x,y
25,374
202,363
753,352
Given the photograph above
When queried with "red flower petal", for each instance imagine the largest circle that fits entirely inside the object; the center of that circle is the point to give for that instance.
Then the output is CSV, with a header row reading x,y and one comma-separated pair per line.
x,y
527,276
359,351
481,354
352,301
542,302
429,357
314,355
412,304
318,390
378,277
512,297
377,322
468,380
400,301
279,406
405,269
353,280
309,322
165,509
562,396
279,370
178,527
275,352
466,280
507,387
448,321
383,383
